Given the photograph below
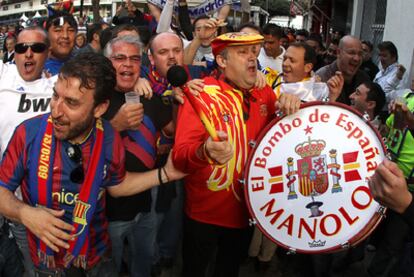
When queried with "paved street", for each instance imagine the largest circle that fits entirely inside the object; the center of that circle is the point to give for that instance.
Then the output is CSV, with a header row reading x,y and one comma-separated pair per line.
x,y
287,266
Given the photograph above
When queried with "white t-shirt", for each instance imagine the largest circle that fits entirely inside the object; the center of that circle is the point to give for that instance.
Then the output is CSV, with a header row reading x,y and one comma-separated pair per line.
x,y
20,100
266,61
204,54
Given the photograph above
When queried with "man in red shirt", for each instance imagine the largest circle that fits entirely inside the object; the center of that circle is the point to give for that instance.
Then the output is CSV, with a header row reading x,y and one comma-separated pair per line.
x,y
216,214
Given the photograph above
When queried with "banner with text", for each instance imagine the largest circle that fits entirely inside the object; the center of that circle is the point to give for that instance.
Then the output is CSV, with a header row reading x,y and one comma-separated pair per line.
x,y
207,7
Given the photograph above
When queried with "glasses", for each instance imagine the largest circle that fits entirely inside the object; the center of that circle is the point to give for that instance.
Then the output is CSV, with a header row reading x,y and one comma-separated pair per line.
x,y
124,58
37,47
77,175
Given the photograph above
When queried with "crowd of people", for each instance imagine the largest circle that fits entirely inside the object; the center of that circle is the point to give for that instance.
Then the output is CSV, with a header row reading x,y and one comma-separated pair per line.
x,y
95,184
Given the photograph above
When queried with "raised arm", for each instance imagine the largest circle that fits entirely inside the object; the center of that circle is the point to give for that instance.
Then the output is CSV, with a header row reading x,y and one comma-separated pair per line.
x,y
165,18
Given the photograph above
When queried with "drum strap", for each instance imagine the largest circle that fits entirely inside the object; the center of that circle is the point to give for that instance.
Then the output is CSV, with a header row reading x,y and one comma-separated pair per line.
x,y
275,83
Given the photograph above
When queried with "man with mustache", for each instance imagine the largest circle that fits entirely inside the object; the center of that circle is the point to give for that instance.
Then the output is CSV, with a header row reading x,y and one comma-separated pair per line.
x,y
64,161
349,59
216,216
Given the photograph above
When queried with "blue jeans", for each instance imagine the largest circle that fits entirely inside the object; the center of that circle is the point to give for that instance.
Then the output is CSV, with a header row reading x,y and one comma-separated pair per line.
x,y
104,268
19,232
169,226
10,258
140,233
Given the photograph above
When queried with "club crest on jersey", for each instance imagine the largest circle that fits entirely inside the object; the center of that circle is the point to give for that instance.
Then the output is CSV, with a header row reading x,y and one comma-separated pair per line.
x,y
263,110
79,214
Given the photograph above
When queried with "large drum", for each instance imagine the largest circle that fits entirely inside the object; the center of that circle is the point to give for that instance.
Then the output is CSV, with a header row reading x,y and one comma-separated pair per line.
x,y
306,179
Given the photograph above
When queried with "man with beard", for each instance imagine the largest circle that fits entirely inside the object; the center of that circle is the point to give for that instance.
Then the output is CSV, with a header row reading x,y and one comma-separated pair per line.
x,y
331,53
216,215
348,61
131,218
64,161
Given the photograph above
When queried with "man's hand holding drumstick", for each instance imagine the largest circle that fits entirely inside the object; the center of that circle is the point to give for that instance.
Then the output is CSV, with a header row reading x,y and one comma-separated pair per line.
x,y
389,187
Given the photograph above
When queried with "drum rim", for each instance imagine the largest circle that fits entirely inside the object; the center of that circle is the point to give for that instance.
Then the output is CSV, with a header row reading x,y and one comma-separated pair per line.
x,y
355,239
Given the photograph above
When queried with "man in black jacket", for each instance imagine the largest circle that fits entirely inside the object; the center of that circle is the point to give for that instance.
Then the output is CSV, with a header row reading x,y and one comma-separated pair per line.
x,y
367,64
135,16
9,54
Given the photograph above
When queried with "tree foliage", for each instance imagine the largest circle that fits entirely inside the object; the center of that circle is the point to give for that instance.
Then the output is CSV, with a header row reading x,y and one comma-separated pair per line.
x,y
275,7
95,10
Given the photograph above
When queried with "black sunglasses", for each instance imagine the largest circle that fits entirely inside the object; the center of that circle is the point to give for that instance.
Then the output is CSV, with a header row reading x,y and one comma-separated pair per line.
x,y
74,152
37,47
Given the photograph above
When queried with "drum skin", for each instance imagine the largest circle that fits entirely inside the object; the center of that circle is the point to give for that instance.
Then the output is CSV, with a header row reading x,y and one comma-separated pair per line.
x,y
306,179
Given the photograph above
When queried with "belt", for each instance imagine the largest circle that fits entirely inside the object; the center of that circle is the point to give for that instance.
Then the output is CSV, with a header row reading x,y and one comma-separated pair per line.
x,y
57,272
49,272
4,227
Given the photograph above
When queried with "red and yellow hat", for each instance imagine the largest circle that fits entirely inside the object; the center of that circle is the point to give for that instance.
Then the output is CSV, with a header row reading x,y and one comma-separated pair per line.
x,y
234,39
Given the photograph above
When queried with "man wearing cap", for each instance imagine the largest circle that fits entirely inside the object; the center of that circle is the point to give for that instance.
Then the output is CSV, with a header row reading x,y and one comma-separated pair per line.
x,y
216,214
61,28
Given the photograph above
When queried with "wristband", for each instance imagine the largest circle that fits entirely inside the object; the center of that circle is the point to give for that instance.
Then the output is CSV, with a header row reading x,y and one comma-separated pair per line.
x,y
165,173
160,177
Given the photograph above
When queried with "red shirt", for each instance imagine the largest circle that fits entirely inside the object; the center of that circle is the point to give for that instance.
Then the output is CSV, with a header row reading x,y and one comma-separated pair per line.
x,y
213,193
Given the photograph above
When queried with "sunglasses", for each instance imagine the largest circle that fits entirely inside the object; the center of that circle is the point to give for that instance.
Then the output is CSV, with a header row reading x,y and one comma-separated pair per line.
x,y
77,175
37,47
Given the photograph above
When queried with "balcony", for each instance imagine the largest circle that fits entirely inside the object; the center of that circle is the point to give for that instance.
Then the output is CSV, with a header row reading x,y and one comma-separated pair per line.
x,y
8,2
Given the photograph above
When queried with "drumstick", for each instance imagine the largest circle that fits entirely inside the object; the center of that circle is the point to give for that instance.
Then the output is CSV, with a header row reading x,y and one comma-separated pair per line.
x,y
177,76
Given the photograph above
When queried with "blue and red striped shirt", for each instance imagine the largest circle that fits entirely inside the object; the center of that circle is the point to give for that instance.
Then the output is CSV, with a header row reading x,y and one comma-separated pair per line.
x,y
14,173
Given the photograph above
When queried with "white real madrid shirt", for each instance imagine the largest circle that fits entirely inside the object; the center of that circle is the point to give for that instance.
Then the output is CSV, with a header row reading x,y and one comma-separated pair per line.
x,y
20,100
273,63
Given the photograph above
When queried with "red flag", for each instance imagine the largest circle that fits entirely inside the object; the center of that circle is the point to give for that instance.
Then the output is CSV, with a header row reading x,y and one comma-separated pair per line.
x,y
351,166
276,180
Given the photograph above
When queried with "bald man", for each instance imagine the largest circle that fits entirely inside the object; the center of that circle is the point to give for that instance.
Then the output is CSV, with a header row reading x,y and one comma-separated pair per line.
x,y
349,59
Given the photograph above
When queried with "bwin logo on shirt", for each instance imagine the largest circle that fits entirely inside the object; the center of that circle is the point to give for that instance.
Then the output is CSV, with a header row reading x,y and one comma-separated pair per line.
x,y
33,105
